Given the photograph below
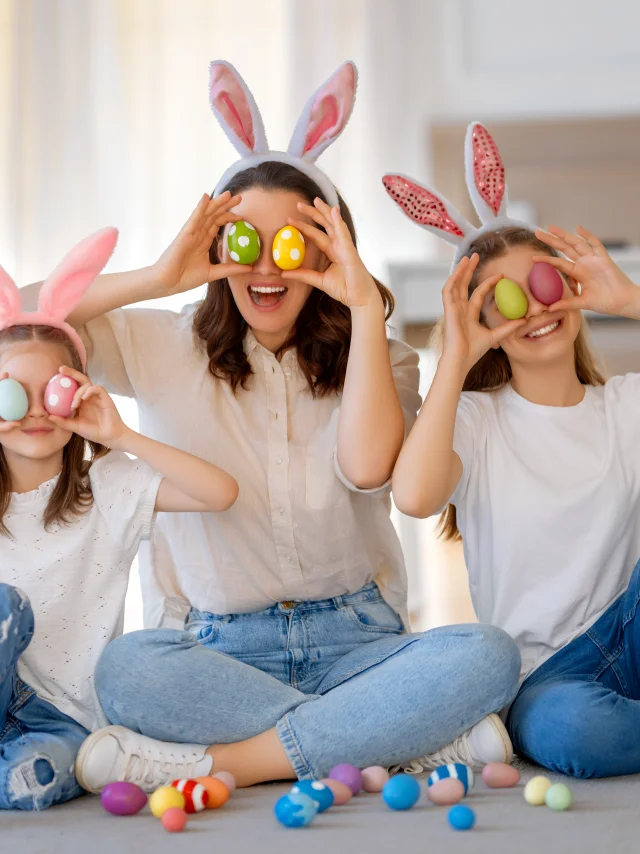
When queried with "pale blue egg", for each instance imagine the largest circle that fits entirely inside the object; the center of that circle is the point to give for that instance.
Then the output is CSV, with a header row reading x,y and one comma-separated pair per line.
x,y
14,404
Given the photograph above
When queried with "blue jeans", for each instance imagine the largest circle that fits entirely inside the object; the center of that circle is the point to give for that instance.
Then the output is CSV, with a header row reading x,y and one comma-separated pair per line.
x,y
579,713
38,744
338,678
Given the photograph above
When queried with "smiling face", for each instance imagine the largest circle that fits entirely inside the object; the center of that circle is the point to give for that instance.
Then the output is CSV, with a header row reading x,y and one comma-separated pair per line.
x,y
546,336
33,363
269,305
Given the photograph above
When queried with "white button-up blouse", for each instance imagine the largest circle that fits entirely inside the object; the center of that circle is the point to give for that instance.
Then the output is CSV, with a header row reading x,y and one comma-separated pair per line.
x,y
299,529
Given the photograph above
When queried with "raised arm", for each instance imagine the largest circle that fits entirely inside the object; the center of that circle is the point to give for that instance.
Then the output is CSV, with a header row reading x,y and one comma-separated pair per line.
x,y
184,265
428,469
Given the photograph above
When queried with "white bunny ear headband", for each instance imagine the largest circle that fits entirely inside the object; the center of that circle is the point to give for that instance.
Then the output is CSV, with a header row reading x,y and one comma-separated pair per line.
x,y
487,187
62,290
321,123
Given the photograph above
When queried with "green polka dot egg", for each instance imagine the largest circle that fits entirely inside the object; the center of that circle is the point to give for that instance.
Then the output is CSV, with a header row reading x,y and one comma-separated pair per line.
x,y
288,248
243,243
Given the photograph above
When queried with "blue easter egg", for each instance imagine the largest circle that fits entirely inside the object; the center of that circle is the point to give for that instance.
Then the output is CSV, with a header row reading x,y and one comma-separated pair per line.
x,y
295,810
317,791
461,818
401,792
456,770
14,404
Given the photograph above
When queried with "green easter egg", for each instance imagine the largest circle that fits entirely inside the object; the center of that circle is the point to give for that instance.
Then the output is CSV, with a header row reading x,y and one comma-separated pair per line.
x,y
14,404
243,243
558,797
510,299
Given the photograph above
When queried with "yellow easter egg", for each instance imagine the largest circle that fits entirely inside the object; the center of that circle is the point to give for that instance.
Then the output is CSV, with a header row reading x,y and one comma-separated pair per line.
x,y
164,799
536,789
288,248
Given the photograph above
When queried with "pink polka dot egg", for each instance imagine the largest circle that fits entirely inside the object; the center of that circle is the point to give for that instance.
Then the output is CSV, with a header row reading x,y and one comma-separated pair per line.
x,y
58,395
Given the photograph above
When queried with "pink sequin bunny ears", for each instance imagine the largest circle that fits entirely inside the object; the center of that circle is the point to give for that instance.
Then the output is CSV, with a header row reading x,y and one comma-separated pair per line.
x,y
487,187
321,123
62,290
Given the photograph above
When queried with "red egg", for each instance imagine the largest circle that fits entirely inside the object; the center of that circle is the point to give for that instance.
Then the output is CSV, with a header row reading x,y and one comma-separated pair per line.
x,y
196,796
58,395
174,820
545,283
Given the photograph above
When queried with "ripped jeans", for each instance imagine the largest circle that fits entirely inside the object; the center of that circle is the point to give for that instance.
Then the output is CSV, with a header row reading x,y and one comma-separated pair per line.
x,y
38,743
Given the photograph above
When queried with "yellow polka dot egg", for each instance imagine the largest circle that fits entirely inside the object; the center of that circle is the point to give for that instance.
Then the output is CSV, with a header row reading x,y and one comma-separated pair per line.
x,y
288,248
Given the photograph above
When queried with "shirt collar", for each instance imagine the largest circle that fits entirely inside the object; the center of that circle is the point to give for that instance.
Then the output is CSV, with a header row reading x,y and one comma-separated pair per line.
x,y
251,343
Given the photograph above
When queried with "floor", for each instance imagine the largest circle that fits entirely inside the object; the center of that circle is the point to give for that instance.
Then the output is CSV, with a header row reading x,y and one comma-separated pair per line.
x,y
604,817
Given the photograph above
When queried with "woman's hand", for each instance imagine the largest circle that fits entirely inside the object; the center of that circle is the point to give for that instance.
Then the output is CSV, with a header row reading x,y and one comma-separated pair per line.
x,y
346,279
94,414
185,264
466,340
603,286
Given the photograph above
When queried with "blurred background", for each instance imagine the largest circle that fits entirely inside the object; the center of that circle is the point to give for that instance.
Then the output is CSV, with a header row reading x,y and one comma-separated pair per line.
x,y
104,119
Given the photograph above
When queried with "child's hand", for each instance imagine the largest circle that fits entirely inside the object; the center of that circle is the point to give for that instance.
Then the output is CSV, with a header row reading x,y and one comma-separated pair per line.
x,y
604,287
466,340
346,279
185,263
94,414
6,426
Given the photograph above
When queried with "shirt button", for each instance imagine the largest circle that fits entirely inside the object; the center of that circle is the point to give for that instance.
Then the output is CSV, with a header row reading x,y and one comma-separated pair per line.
x,y
287,374
290,559
281,510
279,460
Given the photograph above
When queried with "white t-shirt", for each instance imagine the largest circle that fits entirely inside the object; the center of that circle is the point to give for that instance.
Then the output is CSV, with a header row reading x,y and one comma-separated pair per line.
x,y
299,529
76,578
549,509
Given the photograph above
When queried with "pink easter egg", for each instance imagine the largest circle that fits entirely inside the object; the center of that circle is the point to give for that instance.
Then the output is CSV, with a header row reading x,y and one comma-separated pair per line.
x,y
227,778
374,778
446,792
174,820
545,283
499,775
342,794
58,395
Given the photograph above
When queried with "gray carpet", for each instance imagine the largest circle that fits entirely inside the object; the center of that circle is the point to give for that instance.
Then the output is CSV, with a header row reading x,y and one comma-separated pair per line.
x,y
605,818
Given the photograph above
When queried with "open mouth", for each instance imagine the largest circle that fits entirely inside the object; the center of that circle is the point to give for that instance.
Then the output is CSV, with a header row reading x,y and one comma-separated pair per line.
x,y
545,331
267,296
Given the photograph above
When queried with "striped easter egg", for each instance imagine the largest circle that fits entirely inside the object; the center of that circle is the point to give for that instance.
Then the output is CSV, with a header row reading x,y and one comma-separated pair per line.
x,y
196,796
455,770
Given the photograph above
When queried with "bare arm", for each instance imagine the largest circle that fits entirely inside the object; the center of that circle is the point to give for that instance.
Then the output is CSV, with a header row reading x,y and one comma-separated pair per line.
x,y
183,266
428,469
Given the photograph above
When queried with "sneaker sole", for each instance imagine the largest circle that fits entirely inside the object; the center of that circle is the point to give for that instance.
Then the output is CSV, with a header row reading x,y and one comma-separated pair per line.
x,y
501,732
85,747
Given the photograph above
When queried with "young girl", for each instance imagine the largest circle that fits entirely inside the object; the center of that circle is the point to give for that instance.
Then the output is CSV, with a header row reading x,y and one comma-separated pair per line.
x,y
73,509
295,655
538,458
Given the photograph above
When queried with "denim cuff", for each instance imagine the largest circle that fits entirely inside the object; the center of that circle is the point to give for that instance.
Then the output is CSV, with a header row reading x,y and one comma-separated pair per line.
x,y
292,748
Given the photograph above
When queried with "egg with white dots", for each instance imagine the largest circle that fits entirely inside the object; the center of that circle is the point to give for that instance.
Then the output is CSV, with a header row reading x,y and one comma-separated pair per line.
x,y
288,248
243,243
59,394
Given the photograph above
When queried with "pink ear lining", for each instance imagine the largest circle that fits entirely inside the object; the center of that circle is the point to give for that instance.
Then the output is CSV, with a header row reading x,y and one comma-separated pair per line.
x,y
420,204
9,299
228,98
331,108
488,169
325,118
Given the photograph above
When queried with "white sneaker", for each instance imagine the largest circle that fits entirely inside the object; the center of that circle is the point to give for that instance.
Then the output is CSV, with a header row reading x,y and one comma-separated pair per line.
x,y
116,753
487,741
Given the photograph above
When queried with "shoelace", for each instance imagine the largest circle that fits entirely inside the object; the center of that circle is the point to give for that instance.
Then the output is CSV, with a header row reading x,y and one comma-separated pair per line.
x,y
456,751
148,767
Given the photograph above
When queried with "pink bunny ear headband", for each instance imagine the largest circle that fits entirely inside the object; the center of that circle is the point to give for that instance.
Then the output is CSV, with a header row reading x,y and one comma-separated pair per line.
x,y
321,123
487,187
62,290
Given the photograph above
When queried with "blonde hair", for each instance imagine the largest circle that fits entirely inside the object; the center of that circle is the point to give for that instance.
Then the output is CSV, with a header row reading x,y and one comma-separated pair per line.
x,y
72,495
493,370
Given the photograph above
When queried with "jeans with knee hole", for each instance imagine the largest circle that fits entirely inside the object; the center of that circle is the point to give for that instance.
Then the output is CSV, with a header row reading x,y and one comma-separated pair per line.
x,y
579,712
338,678
38,743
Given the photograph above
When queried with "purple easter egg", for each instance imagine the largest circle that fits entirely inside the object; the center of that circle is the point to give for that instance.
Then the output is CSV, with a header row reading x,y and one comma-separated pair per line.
x,y
349,775
545,283
123,798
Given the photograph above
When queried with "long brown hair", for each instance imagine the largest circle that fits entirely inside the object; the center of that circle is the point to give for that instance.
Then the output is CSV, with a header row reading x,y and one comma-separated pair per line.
x,y
72,495
493,370
322,331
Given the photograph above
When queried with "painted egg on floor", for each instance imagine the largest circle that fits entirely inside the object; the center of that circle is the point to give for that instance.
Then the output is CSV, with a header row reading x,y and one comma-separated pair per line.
x,y
446,792
349,775
288,248
499,775
341,792
536,789
243,242
164,799
456,770
401,792
14,403
122,798
295,810
174,820
545,283
374,778
317,791
216,790
228,779
58,395
196,796
510,299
